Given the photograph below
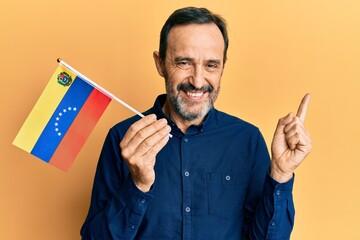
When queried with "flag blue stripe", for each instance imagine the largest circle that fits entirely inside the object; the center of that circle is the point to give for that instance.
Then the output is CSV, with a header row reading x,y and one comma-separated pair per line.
x,y
61,119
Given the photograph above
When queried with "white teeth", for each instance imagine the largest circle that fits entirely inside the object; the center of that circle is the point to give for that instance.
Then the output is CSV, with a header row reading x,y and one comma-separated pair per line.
x,y
195,94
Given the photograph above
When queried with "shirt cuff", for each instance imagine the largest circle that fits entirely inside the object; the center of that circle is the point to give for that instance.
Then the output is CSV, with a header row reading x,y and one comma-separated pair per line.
x,y
286,185
131,194
278,191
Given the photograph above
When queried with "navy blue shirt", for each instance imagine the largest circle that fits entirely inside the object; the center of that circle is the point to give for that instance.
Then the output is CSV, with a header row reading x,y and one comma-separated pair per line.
x,y
211,183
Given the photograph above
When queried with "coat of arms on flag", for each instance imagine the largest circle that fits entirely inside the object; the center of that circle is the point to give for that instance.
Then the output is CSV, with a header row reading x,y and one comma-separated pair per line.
x,y
64,79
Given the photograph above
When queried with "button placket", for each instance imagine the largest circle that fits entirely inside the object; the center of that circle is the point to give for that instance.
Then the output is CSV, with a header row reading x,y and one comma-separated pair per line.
x,y
187,186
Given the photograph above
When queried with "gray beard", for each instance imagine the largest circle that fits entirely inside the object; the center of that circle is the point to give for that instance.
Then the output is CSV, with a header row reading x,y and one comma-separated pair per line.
x,y
180,105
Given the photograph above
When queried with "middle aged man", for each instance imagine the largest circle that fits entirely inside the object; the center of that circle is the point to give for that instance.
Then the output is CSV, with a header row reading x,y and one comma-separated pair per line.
x,y
213,179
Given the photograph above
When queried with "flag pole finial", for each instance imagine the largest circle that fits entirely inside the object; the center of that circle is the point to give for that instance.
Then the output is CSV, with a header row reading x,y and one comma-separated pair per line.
x,y
58,60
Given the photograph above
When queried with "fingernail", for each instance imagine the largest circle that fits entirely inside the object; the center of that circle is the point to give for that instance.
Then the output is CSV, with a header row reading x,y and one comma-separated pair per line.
x,y
162,121
152,116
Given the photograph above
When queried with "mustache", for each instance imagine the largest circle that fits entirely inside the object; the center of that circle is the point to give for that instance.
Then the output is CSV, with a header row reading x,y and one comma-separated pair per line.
x,y
190,87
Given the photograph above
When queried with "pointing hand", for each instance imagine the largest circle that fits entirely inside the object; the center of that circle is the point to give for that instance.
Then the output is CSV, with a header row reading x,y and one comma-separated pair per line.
x,y
291,143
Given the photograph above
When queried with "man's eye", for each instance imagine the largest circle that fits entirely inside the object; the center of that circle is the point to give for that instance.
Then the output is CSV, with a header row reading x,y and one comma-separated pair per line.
x,y
183,64
212,66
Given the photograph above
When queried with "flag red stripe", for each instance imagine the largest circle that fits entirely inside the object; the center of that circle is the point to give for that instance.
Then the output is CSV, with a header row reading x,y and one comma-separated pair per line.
x,y
80,130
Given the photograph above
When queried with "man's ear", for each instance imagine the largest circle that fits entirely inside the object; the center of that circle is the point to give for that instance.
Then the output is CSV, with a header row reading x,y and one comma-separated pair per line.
x,y
158,63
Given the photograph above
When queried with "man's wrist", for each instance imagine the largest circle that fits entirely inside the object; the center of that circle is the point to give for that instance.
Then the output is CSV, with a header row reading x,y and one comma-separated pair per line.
x,y
280,176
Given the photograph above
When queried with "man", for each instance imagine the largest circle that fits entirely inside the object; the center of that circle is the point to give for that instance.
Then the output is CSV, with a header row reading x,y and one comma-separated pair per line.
x,y
213,179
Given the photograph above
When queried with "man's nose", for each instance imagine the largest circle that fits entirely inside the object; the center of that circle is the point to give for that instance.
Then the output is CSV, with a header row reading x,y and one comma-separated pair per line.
x,y
197,78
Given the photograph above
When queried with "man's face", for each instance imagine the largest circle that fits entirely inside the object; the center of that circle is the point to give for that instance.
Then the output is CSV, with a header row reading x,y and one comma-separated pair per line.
x,y
193,69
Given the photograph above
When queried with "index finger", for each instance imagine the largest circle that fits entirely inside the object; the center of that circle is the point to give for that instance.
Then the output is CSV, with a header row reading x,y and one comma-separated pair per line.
x,y
301,113
137,126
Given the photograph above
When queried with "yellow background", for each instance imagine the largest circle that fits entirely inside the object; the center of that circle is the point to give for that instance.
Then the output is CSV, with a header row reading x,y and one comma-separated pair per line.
x,y
279,50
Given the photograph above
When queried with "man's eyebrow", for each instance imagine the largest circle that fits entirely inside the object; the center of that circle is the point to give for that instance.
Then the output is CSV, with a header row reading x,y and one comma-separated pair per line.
x,y
216,61
179,59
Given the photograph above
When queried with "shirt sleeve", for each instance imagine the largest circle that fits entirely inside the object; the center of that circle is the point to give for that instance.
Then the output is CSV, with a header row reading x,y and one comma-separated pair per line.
x,y
269,215
117,206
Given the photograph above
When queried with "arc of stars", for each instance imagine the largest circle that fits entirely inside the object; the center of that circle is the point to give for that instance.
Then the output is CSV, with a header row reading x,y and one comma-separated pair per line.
x,y
58,118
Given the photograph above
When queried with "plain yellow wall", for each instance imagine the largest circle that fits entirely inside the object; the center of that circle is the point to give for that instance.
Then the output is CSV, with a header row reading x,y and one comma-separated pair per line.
x,y
279,50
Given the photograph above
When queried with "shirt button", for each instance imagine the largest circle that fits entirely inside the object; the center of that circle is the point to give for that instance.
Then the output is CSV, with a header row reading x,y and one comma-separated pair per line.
x,y
132,227
187,174
187,209
273,224
278,192
143,201
186,140
227,178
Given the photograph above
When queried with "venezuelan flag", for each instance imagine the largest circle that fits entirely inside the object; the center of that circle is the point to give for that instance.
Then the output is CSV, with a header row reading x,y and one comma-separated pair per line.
x,y
62,119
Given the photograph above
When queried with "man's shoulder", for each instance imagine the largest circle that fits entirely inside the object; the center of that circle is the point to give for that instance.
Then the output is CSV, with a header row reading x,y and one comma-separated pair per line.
x,y
227,119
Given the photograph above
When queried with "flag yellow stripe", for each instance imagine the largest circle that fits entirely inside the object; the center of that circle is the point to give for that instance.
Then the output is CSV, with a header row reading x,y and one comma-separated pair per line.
x,y
42,112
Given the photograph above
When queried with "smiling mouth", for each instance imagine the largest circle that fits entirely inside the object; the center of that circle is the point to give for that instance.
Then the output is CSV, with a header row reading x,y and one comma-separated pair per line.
x,y
196,95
